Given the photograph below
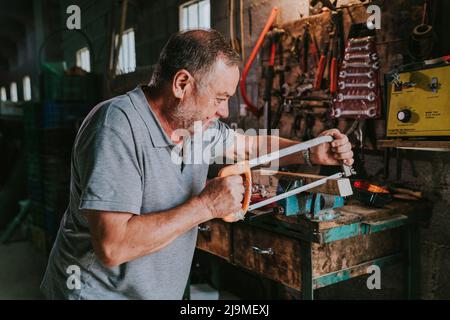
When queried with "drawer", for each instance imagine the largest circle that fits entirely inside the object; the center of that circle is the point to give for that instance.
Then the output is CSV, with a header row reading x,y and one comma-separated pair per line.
x,y
350,252
214,236
274,256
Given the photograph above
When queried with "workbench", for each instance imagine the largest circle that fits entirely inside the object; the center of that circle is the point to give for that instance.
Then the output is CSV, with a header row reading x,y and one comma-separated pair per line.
x,y
306,255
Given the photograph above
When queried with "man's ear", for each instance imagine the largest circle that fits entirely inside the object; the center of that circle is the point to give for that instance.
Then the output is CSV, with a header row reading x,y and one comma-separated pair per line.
x,y
180,82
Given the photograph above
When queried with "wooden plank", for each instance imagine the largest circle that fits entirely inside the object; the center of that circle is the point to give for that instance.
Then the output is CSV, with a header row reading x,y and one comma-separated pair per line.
x,y
415,144
395,207
353,212
378,225
341,187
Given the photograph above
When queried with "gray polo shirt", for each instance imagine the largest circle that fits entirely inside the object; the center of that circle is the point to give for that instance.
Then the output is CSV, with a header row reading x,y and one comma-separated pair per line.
x,y
122,161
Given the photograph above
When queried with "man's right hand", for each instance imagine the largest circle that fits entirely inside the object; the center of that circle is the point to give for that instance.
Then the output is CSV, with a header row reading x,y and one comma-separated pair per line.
x,y
223,195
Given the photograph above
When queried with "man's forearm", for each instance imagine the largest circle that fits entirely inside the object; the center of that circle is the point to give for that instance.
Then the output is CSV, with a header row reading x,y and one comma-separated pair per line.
x,y
148,233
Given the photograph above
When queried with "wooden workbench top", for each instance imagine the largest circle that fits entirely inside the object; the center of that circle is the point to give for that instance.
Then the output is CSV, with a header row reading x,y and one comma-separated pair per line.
x,y
354,212
353,219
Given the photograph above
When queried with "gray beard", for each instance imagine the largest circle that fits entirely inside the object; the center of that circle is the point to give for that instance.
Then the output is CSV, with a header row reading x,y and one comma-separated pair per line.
x,y
180,120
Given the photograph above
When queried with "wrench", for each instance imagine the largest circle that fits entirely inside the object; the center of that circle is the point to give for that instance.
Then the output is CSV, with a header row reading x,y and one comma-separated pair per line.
x,y
343,85
371,112
341,97
368,56
360,40
346,64
345,74
301,89
358,48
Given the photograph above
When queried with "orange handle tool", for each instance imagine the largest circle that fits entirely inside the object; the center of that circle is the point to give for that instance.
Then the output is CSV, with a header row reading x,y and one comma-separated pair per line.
x,y
319,74
241,168
333,76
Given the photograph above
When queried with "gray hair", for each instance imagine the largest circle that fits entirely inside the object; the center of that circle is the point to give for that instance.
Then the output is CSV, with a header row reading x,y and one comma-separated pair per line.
x,y
195,51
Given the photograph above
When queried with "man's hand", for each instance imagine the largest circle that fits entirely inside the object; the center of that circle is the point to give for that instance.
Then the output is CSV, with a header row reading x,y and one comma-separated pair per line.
x,y
338,151
223,196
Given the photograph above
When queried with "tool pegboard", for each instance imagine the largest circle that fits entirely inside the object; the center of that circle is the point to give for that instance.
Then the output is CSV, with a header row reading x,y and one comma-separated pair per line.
x,y
302,54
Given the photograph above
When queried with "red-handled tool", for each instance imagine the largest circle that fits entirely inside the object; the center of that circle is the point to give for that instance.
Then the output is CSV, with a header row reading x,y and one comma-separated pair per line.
x,y
319,72
333,71
338,48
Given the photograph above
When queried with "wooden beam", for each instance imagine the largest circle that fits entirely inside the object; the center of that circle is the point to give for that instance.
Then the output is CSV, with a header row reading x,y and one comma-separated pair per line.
x,y
415,144
341,187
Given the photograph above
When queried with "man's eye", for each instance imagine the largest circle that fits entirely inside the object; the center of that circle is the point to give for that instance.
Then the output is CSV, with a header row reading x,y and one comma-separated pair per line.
x,y
219,100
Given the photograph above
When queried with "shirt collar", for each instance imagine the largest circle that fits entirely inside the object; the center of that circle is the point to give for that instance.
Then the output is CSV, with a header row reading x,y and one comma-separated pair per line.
x,y
157,134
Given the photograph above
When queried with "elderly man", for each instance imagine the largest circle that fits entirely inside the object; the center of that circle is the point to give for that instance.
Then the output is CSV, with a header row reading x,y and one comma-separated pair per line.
x,y
131,226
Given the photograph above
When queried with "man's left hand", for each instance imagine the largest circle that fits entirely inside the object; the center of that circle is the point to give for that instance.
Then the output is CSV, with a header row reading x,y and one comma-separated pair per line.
x,y
335,153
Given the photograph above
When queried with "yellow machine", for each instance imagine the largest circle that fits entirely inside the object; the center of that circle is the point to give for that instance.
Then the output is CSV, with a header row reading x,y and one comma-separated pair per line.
x,y
419,103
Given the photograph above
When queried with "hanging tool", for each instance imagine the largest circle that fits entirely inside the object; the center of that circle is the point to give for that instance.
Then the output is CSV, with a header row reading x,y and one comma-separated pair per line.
x,y
269,76
284,104
274,37
306,44
310,121
338,48
241,25
235,43
327,70
252,57
321,67
333,67
243,168
316,47
296,48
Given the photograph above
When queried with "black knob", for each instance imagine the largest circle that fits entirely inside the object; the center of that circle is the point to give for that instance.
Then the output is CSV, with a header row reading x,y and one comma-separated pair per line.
x,y
404,115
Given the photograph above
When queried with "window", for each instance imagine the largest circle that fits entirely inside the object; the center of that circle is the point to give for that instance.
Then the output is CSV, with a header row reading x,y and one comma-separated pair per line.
x,y
84,59
3,94
127,53
13,92
26,88
195,14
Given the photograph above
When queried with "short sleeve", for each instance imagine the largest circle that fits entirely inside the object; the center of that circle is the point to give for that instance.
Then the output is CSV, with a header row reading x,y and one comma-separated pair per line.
x,y
108,171
222,137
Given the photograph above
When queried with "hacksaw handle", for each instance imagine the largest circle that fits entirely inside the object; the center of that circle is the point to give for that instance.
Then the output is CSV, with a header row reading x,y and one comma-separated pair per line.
x,y
241,168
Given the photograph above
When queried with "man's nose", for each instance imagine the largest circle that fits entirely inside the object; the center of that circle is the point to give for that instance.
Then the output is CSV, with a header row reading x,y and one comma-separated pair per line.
x,y
223,110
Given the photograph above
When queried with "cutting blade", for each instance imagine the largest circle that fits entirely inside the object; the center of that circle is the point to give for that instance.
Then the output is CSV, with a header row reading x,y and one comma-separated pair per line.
x,y
294,191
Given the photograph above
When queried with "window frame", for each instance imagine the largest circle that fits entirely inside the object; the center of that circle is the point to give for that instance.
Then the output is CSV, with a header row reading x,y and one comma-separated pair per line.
x,y
3,94
126,60
13,97
26,87
80,56
183,14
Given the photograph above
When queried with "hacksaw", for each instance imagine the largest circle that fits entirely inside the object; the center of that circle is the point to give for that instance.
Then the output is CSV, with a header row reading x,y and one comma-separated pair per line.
x,y
244,168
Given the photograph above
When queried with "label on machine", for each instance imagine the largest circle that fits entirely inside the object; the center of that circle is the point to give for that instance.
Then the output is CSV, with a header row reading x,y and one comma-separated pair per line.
x,y
419,103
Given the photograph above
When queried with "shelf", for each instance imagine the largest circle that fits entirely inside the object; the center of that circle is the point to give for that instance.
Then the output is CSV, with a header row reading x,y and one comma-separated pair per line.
x,y
415,144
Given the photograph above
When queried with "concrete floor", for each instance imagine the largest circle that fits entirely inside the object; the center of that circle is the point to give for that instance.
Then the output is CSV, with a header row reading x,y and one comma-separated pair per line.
x,y
21,271
22,268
